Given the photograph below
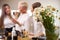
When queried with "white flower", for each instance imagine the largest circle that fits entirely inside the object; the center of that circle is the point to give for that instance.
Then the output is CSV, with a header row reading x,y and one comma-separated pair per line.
x,y
49,10
42,9
49,13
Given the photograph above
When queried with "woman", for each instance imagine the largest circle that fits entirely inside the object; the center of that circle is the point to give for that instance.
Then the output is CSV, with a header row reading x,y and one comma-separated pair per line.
x,y
7,20
36,29
23,18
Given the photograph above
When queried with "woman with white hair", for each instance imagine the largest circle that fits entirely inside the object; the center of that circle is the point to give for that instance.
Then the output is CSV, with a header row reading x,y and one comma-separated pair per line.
x,y
23,18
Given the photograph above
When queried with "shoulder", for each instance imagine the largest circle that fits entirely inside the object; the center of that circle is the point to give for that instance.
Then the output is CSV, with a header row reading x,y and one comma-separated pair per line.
x,y
29,12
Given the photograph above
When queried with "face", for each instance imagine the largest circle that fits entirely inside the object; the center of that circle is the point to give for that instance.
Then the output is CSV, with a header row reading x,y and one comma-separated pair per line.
x,y
22,9
7,10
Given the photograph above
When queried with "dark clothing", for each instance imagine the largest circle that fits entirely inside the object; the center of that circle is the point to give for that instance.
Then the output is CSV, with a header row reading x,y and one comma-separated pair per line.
x,y
15,38
39,38
9,38
8,30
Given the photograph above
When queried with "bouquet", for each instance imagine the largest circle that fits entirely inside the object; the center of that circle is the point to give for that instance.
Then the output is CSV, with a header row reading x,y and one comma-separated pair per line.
x,y
46,16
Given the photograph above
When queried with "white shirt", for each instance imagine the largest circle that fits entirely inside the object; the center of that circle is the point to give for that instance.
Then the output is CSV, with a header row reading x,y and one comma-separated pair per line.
x,y
23,19
36,27
29,12
8,23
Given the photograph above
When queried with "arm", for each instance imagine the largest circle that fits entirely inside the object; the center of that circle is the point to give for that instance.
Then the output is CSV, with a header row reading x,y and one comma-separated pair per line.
x,y
40,34
15,21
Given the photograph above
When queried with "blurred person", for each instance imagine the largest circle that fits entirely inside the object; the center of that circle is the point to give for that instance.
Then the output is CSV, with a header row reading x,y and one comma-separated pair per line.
x,y
7,21
23,18
34,5
36,28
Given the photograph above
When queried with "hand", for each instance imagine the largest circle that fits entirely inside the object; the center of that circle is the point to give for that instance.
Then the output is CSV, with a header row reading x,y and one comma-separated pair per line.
x,y
39,34
16,22
31,34
13,21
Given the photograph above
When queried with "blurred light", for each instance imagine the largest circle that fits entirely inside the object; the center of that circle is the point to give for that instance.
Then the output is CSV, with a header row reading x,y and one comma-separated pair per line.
x,y
0,12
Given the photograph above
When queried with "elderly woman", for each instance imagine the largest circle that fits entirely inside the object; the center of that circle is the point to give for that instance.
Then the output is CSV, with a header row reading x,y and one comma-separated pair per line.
x,y
23,18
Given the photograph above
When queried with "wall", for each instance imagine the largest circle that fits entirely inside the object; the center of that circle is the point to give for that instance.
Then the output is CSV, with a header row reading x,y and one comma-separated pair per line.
x,y
14,3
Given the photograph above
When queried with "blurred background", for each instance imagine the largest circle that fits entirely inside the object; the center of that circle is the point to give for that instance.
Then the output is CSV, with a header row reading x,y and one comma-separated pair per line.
x,y
14,3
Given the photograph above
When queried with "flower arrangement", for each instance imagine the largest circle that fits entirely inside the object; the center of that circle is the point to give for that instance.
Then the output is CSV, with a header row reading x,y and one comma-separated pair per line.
x,y
46,16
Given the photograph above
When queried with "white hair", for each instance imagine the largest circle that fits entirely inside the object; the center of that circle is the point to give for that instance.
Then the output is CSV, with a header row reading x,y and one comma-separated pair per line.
x,y
22,3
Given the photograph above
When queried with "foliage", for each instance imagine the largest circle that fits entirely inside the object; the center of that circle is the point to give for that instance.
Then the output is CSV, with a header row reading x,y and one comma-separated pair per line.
x,y
45,15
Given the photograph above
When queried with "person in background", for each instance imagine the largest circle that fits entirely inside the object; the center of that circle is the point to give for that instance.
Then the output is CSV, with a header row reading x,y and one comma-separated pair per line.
x,y
36,28
8,21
